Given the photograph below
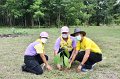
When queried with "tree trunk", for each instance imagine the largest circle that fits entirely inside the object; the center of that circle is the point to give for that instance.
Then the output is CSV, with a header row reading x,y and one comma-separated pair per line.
x,y
7,18
98,23
10,21
25,21
58,19
32,20
49,22
39,22
13,21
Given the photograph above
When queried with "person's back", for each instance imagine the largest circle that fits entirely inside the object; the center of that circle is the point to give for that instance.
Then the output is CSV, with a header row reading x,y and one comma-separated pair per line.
x,y
31,50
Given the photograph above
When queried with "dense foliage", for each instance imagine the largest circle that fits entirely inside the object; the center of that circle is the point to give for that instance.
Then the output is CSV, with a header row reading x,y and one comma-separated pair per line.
x,y
47,13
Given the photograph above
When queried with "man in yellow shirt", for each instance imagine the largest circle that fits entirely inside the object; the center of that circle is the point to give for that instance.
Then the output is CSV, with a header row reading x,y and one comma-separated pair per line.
x,y
35,56
87,51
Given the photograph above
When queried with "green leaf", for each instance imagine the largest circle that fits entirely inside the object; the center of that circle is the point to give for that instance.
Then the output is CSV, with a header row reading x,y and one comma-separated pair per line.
x,y
61,61
69,66
67,53
66,61
57,59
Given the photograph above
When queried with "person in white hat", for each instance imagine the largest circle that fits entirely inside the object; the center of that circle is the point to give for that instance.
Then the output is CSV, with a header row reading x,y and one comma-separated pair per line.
x,y
35,56
64,41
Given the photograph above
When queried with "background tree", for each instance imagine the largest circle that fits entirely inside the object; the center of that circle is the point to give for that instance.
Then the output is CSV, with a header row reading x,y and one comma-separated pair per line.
x,y
27,13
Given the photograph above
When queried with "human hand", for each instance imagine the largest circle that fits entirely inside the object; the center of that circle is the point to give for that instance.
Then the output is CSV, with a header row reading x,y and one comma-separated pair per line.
x,y
79,68
49,67
59,67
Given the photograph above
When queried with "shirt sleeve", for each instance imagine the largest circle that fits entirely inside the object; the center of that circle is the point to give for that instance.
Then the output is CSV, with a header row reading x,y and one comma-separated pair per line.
x,y
88,44
73,43
57,45
39,49
78,46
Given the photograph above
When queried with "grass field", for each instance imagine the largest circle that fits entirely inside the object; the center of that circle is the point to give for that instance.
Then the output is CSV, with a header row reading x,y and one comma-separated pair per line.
x,y
12,51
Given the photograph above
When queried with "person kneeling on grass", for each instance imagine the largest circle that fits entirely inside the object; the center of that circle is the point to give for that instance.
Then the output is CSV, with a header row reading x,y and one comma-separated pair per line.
x,y
64,41
89,53
35,56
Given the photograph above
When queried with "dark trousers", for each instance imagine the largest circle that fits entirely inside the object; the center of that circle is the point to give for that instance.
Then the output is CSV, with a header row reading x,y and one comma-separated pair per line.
x,y
93,58
32,64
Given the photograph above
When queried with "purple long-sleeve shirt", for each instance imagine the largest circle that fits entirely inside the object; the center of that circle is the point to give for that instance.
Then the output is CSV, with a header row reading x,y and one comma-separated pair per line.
x,y
57,44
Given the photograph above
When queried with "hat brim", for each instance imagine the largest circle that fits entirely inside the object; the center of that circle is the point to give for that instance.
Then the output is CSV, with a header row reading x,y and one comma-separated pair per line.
x,y
81,32
64,31
45,37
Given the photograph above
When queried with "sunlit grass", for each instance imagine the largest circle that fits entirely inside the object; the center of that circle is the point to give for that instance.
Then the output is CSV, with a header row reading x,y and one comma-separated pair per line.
x,y
12,51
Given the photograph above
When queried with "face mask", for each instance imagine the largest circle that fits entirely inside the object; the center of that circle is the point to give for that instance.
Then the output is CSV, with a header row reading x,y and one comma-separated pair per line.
x,y
78,38
64,35
44,40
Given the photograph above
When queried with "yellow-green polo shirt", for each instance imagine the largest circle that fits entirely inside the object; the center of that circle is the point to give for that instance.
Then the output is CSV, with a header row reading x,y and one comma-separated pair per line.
x,y
88,44
39,47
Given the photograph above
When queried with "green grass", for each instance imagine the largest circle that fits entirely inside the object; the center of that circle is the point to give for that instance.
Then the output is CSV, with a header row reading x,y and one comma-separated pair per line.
x,y
12,51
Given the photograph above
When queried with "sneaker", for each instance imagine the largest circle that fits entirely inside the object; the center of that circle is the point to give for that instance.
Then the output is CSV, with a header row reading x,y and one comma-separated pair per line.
x,y
43,66
94,65
23,67
87,68
84,70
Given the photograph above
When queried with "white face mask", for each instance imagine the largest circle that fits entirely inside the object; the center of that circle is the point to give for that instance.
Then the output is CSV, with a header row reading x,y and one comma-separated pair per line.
x,y
44,40
78,38
64,35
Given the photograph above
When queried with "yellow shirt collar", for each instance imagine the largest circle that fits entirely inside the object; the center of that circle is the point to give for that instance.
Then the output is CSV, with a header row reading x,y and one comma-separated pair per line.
x,y
38,40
